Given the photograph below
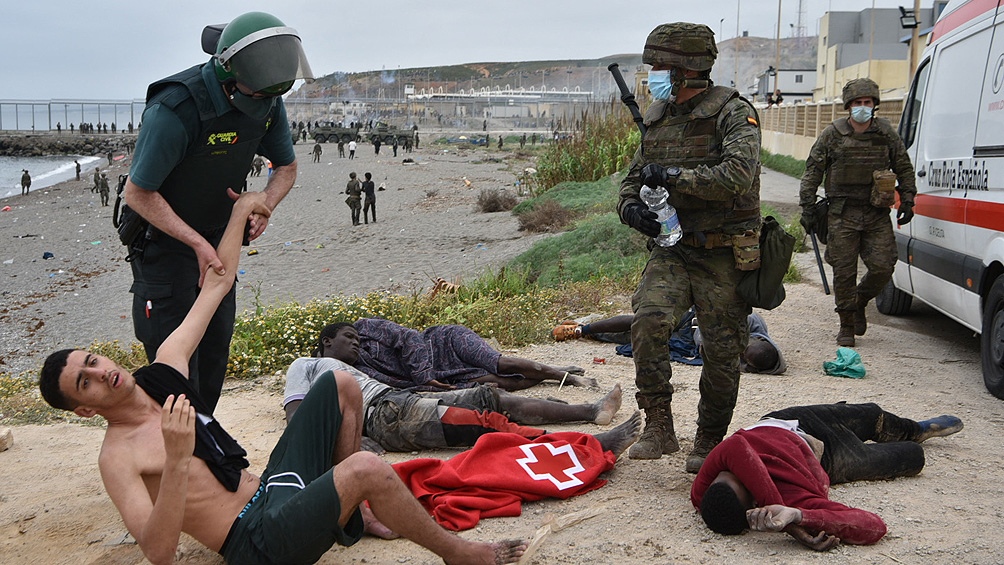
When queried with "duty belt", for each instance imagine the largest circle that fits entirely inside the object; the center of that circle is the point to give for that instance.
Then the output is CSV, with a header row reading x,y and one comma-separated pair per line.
x,y
707,240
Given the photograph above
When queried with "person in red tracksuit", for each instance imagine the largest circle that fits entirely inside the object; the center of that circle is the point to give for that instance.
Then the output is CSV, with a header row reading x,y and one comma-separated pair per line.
x,y
775,475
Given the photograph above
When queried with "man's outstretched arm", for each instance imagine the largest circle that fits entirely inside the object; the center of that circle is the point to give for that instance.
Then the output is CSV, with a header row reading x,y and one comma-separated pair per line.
x,y
177,349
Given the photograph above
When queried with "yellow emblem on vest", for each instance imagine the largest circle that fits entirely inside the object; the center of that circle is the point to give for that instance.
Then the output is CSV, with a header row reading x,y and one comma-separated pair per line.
x,y
222,138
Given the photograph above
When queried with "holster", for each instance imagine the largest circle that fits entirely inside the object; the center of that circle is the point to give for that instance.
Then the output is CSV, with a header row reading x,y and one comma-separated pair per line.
x,y
822,219
133,231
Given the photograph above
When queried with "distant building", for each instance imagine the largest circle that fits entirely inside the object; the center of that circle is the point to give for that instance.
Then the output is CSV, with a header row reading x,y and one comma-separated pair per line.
x,y
795,85
871,43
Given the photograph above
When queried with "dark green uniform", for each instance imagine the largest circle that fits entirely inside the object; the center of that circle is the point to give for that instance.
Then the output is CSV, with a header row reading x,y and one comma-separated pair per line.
x,y
844,162
354,200
192,147
715,139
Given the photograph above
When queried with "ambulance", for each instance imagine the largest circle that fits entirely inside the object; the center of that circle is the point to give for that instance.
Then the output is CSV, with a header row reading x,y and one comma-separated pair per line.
x,y
951,256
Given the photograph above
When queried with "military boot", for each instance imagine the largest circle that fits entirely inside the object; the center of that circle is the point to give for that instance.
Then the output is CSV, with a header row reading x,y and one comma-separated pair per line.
x,y
659,438
845,338
703,444
860,322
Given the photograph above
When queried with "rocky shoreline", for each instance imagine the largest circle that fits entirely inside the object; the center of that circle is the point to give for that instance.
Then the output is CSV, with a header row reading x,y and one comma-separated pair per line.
x,y
51,143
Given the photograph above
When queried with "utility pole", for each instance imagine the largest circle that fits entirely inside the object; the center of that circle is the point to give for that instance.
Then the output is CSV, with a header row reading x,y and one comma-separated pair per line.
x,y
735,71
777,48
914,39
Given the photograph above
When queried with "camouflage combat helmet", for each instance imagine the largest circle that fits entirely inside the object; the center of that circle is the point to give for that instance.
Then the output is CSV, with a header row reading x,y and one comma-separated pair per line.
x,y
689,46
859,88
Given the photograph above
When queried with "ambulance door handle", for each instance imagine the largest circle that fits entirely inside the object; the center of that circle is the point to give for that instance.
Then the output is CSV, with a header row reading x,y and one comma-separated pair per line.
x,y
922,173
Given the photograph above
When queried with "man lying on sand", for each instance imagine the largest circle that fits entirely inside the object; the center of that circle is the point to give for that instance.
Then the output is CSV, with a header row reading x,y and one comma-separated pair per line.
x,y
446,357
402,420
775,475
292,514
761,355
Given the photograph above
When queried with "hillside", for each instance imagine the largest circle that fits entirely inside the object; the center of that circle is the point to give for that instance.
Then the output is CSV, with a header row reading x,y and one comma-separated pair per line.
x,y
755,55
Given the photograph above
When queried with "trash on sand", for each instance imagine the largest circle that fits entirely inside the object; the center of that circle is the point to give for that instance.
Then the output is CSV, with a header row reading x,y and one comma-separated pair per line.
x,y
47,255
847,364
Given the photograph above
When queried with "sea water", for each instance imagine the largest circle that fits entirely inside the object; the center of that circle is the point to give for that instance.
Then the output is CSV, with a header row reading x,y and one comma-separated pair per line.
x,y
44,171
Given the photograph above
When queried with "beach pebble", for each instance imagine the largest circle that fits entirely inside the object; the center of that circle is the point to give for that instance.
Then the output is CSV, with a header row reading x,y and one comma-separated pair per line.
x,y
6,439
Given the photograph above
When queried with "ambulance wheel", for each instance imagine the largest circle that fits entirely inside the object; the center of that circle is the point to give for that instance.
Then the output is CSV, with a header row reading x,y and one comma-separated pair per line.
x,y
992,339
893,301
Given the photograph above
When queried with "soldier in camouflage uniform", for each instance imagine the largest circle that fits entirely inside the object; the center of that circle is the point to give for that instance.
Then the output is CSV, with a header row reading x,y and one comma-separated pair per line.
x,y
848,154
703,145
354,200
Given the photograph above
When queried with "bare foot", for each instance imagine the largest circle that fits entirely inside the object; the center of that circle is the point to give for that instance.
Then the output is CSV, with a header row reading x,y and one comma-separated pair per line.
x,y
607,406
507,551
621,437
375,527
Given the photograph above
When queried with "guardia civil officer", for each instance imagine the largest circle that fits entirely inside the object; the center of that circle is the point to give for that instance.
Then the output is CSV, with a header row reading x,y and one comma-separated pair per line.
x,y
201,130
862,159
703,145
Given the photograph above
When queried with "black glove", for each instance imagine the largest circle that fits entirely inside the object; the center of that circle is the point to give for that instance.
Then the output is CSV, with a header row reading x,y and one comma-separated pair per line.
x,y
905,213
808,219
653,175
639,217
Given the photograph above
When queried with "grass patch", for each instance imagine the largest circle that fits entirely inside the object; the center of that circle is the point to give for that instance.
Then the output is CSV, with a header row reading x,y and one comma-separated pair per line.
x,y
580,196
598,247
782,164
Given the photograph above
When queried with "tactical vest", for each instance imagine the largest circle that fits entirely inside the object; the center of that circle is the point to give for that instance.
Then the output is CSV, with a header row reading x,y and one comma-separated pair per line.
x,y
854,157
218,156
694,139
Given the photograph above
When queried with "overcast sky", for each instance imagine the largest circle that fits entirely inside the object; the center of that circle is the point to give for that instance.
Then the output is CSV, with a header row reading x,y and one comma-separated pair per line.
x,y
111,49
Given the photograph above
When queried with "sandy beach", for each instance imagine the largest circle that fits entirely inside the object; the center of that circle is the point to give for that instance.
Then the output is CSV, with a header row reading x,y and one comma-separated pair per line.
x,y
53,508
426,227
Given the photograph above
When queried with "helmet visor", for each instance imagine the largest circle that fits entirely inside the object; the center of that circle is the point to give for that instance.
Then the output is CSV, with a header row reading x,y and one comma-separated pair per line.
x,y
267,61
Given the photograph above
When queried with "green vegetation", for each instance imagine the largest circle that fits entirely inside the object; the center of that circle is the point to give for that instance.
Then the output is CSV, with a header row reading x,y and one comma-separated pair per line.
x,y
782,164
564,276
603,146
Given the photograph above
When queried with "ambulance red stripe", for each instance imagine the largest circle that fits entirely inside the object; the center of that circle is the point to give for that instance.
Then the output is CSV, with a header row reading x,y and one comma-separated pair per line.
x,y
969,11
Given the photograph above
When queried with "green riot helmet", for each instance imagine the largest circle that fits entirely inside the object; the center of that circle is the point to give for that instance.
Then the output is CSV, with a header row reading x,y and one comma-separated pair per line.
x,y
860,88
682,45
258,51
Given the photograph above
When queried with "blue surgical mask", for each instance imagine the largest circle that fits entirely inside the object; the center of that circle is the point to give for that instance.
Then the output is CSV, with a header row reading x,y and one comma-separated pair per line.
x,y
861,114
660,84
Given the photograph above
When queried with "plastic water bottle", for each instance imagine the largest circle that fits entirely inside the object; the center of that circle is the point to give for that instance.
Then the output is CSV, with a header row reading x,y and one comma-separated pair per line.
x,y
657,200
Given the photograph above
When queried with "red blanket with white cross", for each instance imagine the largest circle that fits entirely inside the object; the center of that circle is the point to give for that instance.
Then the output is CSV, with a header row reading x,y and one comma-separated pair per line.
x,y
501,471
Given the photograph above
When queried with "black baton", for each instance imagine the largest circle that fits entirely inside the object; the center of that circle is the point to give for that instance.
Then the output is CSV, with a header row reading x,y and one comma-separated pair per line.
x,y
626,97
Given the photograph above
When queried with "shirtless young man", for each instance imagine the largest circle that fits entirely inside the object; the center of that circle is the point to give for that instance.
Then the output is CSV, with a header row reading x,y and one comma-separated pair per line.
x,y
314,483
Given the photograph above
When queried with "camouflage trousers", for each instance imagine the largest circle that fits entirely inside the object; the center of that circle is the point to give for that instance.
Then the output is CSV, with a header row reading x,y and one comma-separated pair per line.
x,y
865,231
674,279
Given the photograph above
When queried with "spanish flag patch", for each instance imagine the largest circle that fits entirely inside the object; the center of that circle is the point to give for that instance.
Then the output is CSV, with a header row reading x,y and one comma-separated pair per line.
x,y
752,121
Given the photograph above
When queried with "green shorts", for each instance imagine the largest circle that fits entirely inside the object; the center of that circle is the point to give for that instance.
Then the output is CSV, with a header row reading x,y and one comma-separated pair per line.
x,y
294,516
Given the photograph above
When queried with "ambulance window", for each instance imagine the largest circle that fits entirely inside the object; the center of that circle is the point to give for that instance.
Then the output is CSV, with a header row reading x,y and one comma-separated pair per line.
x,y
908,127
